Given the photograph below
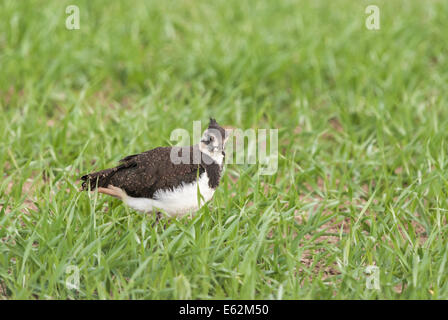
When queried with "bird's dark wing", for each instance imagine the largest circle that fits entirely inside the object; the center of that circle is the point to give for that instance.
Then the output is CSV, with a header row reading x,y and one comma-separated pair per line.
x,y
143,174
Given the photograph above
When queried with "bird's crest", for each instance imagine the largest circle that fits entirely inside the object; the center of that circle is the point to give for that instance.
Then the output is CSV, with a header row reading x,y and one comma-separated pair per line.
x,y
214,125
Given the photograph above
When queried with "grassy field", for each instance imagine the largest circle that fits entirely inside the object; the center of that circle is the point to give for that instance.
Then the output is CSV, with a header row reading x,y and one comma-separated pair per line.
x,y
362,173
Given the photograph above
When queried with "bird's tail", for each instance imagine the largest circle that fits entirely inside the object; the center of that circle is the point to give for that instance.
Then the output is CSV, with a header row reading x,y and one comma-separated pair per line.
x,y
97,179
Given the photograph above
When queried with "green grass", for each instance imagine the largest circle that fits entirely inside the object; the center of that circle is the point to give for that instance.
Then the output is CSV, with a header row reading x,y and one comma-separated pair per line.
x,y
363,123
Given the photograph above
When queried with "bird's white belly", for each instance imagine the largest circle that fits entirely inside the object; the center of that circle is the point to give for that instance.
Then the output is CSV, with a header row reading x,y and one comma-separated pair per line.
x,y
178,201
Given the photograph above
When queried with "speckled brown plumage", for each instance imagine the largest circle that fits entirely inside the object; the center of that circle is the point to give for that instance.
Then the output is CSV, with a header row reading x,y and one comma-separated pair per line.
x,y
141,175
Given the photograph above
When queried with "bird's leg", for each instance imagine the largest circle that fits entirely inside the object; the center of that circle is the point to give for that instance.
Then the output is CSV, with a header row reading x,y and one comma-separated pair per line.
x,y
158,217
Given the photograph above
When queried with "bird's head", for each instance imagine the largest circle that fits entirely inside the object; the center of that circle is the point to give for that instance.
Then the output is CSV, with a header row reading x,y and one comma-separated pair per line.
x,y
213,140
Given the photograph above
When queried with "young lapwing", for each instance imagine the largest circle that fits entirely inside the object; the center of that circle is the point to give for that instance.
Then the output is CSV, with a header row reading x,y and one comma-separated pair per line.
x,y
152,182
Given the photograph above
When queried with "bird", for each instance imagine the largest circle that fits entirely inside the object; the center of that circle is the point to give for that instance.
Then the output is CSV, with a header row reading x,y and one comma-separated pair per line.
x,y
156,181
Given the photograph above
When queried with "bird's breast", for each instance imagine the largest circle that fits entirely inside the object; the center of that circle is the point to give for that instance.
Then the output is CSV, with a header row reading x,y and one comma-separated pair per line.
x,y
187,197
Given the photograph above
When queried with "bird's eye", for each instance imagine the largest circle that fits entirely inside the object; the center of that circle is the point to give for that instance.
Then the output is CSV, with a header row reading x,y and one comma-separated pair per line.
x,y
212,138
